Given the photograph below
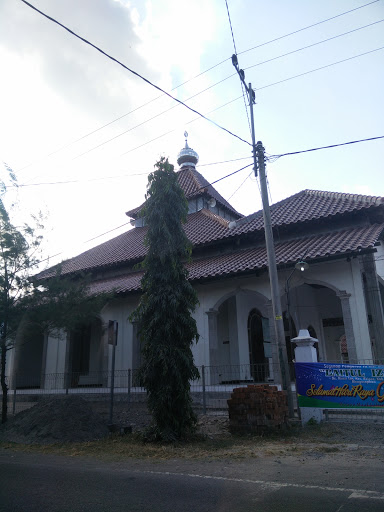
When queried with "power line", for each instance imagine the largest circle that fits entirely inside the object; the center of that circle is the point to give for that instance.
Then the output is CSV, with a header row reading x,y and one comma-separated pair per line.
x,y
126,223
318,69
193,78
258,89
132,71
217,83
234,47
270,158
230,26
239,187
314,44
113,177
226,161
174,129
234,74
144,122
325,147
307,27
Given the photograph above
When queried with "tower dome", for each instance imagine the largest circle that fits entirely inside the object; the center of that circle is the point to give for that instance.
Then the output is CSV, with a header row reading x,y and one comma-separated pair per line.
x,y
187,157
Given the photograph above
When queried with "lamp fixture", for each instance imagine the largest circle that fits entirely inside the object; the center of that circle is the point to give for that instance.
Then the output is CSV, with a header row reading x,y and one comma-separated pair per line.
x,y
301,265
212,202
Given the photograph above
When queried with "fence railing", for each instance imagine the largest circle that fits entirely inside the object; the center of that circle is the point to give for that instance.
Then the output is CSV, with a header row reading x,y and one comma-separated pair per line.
x,y
209,392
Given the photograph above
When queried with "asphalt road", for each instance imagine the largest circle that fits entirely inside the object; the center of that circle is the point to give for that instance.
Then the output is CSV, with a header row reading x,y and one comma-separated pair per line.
x,y
35,482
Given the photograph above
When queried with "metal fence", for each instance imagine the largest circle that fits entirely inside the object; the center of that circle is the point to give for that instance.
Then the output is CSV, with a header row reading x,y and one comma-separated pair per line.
x,y
209,393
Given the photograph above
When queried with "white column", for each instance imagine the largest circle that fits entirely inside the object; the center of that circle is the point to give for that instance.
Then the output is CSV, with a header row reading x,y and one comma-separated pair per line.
x,y
305,352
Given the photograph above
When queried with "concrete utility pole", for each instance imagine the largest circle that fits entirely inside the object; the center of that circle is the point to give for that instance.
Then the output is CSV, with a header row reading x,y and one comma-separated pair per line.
x,y
259,165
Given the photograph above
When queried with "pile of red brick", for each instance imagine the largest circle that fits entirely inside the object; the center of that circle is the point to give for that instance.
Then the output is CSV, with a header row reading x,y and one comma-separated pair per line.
x,y
257,408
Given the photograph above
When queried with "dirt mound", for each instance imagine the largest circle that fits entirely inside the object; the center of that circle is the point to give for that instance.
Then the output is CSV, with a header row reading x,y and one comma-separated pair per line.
x,y
59,420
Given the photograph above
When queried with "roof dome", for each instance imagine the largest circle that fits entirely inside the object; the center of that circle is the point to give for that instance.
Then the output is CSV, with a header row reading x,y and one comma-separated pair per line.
x,y
187,156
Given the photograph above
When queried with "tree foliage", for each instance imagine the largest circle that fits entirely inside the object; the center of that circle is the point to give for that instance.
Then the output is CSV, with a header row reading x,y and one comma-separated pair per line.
x,y
27,304
166,327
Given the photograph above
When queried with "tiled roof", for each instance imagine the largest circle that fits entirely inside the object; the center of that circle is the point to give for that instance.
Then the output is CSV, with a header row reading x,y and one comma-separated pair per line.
x,y
310,205
201,227
125,247
193,184
290,251
205,227
287,252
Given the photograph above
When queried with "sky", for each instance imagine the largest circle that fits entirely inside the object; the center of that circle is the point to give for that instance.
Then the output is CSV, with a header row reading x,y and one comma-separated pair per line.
x,y
82,133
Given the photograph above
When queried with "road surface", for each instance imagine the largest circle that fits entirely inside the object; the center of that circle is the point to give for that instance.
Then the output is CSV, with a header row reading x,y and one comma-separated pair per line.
x,y
37,482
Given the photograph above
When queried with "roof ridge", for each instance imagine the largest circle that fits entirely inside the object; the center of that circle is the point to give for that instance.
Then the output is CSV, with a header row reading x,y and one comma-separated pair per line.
x,y
196,176
289,198
221,220
345,195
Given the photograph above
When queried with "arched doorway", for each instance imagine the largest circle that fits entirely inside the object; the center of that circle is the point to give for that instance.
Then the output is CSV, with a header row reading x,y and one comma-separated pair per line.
x,y
256,343
317,308
86,354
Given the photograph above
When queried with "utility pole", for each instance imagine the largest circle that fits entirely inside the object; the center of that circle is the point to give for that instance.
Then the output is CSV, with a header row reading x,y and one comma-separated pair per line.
x,y
259,165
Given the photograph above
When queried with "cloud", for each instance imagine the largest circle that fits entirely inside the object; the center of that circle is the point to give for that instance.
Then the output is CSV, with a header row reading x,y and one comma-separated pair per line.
x,y
78,73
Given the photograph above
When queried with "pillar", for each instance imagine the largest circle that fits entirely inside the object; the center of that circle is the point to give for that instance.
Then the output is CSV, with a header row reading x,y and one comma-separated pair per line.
x,y
374,306
305,352
213,345
348,325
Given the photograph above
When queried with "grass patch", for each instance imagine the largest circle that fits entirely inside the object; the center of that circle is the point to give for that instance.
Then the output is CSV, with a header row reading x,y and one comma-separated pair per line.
x,y
130,446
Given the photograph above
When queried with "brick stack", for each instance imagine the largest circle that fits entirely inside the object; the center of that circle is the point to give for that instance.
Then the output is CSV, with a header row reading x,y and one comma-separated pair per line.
x,y
256,408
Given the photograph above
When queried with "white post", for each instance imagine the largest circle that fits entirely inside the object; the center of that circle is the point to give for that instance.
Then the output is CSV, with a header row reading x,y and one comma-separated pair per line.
x,y
305,352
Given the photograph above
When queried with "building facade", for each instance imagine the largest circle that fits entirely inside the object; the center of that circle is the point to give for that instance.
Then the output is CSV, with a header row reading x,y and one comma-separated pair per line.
x,y
338,297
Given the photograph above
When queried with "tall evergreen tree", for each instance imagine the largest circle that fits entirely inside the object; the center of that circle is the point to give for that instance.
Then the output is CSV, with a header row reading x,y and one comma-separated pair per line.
x,y
167,329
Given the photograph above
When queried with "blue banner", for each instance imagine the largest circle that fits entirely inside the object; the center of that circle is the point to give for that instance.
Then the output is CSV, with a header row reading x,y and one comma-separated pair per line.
x,y
328,385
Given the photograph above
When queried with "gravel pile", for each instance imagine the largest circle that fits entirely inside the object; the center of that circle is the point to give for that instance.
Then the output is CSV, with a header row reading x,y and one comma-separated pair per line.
x,y
59,420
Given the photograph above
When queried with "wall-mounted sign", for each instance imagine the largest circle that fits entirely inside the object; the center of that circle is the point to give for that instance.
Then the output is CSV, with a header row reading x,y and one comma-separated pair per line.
x,y
112,332
328,385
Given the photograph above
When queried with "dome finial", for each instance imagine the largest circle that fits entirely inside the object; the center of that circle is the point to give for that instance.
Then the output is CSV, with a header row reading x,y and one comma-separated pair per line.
x,y
187,156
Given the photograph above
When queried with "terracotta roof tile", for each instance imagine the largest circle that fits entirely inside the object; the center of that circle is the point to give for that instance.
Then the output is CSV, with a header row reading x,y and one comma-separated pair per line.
x,y
193,184
291,251
309,205
125,247
201,227
287,252
204,227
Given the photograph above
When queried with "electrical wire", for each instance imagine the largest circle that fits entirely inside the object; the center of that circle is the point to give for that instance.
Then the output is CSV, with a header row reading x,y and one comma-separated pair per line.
x,y
307,27
265,87
239,187
144,122
318,69
174,129
110,177
193,78
326,147
269,158
225,161
133,72
314,44
241,83
126,223
221,106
